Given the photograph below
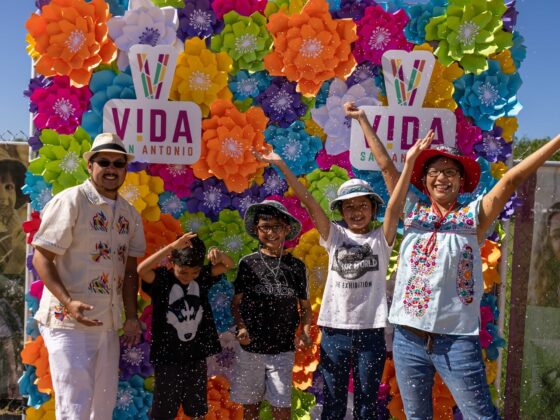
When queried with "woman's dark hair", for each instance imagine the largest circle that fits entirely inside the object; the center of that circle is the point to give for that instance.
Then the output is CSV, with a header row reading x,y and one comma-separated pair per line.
x,y
192,256
268,213
434,159
14,170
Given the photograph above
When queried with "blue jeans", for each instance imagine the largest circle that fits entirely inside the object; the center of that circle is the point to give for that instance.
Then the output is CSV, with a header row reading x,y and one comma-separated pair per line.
x,y
457,359
364,350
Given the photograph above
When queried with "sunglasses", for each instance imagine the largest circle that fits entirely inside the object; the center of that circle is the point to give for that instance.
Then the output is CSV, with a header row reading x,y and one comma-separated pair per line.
x,y
105,163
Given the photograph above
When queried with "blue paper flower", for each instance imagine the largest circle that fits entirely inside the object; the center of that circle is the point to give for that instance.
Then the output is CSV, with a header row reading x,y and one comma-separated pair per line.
x,y
32,303
323,94
486,183
209,196
273,184
28,388
220,297
133,402
518,51
197,19
420,15
248,85
170,203
364,71
351,9
334,5
493,147
296,146
242,201
38,190
281,103
489,95
105,85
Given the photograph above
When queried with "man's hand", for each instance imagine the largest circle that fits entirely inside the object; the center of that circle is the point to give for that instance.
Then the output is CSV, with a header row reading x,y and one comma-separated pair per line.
x,y
243,336
132,331
76,310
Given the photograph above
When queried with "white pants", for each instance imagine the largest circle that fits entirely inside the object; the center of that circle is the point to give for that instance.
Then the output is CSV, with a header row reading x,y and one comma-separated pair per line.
x,y
85,372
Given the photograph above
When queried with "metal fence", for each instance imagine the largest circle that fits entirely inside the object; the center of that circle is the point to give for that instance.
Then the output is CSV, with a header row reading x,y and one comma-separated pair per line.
x,y
8,135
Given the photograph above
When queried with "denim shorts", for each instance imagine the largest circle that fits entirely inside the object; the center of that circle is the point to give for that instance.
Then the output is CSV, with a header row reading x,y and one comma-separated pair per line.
x,y
457,359
258,377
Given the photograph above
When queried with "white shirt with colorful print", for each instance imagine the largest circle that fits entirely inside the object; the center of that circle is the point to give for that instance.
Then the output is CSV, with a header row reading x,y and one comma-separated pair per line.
x,y
439,285
92,243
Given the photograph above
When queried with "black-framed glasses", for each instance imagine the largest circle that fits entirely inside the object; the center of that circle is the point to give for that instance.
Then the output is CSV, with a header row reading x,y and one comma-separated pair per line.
x,y
270,228
105,163
448,173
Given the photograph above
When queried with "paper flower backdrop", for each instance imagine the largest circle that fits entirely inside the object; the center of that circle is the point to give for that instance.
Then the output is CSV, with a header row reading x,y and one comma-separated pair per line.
x,y
324,184
133,401
197,19
281,103
142,190
39,191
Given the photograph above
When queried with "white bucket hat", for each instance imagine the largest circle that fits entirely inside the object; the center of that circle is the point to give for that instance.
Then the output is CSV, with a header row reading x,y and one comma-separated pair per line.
x,y
355,188
108,142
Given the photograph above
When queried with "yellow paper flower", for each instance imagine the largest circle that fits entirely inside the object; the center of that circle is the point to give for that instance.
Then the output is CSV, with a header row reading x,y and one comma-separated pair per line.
x,y
314,129
498,169
506,61
302,180
31,51
287,6
316,260
201,76
509,126
141,191
44,412
72,38
490,254
491,370
440,90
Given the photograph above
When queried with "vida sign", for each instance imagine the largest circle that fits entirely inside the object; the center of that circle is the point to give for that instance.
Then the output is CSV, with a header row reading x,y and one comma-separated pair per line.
x,y
399,125
154,129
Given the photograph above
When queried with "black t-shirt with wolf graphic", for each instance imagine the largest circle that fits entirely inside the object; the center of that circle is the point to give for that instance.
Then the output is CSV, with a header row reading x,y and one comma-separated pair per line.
x,y
269,306
183,327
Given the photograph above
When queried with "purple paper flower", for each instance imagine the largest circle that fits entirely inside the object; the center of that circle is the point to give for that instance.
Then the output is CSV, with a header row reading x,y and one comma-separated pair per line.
x,y
35,83
352,9
242,201
316,387
198,19
137,166
30,266
226,358
34,141
176,178
273,184
40,3
509,18
513,202
209,197
363,72
281,103
493,147
135,360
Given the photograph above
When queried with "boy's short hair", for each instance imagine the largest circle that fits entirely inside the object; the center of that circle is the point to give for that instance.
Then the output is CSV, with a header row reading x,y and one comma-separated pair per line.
x,y
268,213
191,256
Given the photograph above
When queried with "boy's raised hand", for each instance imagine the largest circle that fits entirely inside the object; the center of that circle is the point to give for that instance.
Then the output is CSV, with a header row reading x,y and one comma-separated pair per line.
x,y
419,146
184,241
352,111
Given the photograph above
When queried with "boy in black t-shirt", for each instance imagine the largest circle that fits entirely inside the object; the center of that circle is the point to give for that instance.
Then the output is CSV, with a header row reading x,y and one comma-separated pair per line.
x,y
270,292
183,329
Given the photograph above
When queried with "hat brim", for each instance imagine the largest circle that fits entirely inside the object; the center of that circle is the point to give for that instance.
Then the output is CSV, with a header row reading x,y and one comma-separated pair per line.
x,y
87,155
471,175
249,220
373,195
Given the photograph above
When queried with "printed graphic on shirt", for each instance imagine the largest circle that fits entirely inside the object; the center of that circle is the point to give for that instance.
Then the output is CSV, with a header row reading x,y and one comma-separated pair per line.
x,y
122,225
352,261
102,250
274,286
99,222
100,284
60,312
120,284
121,252
465,280
418,290
184,311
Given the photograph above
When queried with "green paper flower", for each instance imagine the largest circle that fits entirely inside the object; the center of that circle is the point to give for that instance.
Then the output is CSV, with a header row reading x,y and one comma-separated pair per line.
x,y
195,222
173,3
228,234
469,33
245,39
323,186
302,403
60,159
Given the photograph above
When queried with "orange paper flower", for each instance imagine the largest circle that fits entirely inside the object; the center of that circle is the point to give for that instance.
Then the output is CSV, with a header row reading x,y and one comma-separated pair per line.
x,y
228,137
311,47
307,360
35,353
71,38
490,254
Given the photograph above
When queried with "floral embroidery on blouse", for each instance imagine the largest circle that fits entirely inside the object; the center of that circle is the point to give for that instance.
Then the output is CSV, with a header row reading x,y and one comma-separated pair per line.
x,y
100,284
465,279
99,222
123,225
418,289
102,250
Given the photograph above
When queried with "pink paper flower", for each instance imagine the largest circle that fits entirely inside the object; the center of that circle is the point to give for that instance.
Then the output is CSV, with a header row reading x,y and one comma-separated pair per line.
x,y
380,31
293,205
146,319
60,106
176,178
467,135
243,7
325,161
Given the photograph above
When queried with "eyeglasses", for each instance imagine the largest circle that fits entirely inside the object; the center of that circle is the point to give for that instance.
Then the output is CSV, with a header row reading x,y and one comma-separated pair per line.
x,y
105,163
448,173
270,228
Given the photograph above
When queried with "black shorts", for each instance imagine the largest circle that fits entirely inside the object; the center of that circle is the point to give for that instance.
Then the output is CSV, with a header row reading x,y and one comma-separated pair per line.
x,y
186,384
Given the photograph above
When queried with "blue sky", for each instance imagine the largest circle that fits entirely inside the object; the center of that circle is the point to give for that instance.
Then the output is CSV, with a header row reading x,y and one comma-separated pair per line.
x,y
537,23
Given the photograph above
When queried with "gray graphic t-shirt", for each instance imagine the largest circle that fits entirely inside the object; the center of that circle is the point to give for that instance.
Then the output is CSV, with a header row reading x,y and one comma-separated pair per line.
x,y
355,296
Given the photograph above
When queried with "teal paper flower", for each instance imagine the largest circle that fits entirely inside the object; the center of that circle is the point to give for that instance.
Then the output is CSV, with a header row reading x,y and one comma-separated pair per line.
x,y
246,85
171,204
323,185
420,14
297,148
518,51
60,159
133,401
39,191
228,234
488,96
469,32
245,39
220,297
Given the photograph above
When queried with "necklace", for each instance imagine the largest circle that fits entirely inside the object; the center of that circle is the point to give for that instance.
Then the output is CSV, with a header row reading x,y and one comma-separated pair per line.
x,y
274,271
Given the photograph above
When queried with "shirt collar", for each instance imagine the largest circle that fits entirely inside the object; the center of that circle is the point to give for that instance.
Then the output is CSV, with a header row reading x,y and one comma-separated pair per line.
x,y
94,196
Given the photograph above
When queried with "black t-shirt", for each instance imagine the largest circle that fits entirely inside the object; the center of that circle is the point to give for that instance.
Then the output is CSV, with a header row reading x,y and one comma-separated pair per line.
x,y
269,306
183,327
